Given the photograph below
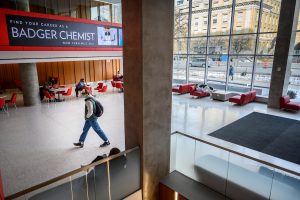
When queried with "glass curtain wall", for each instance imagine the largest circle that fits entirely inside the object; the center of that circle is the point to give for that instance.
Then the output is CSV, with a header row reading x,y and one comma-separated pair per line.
x,y
108,11
294,73
227,51
181,15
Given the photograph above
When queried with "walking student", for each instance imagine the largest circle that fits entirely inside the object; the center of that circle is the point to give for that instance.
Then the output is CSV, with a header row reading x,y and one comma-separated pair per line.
x,y
91,121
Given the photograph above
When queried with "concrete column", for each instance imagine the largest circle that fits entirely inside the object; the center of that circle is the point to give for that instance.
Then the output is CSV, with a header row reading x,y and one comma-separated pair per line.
x,y
147,59
284,43
30,84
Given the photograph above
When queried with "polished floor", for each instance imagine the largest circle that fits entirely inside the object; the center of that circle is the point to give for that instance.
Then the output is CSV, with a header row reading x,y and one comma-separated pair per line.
x,y
199,117
36,142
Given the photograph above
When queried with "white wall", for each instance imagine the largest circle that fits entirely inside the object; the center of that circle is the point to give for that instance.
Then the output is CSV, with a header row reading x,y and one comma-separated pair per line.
x,y
7,57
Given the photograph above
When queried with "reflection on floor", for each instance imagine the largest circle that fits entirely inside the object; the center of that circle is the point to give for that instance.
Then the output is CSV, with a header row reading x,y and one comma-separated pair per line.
x,y
36,143
199,117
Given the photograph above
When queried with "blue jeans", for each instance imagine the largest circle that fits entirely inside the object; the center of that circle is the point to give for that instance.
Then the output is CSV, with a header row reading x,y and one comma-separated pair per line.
x,y
94,124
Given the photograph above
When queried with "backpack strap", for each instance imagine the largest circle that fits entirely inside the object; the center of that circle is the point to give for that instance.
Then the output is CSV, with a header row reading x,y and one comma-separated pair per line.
x,y
93,102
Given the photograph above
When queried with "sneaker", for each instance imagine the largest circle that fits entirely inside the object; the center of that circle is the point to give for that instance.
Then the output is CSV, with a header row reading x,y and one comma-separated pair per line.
x,y
78,144
105,144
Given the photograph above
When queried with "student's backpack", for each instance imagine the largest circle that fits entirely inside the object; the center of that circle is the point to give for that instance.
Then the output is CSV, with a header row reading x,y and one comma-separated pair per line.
x,y
98,111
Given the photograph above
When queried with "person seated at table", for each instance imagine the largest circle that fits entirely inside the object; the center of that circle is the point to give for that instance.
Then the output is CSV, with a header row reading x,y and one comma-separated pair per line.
x,y
48,86
118,77
80,86
53,80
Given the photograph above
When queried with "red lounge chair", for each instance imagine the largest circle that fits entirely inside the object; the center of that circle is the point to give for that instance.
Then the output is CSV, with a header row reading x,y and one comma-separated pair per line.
x,y
12,100
68,93
119,85
100,85
113,83
103,88
88,89
2,104
49,96
243,98
198,93
182,89
285,103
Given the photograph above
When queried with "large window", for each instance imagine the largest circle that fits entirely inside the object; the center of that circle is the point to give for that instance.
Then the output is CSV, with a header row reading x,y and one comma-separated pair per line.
x,y
294,73
108,10
227,51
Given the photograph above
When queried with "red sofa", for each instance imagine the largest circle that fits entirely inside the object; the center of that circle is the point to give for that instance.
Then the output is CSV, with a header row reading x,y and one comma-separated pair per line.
x,y
198,93
285,103
182,89
243,98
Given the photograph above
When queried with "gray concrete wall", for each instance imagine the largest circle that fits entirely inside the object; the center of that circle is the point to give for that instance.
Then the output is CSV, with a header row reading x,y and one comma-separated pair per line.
x,y
147,53
30,84
284,42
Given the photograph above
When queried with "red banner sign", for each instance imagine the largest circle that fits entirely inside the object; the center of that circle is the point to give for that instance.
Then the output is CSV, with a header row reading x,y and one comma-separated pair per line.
x,y
28,31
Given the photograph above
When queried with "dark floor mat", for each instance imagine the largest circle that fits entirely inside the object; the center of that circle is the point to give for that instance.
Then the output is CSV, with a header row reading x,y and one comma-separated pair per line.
x,y
276,136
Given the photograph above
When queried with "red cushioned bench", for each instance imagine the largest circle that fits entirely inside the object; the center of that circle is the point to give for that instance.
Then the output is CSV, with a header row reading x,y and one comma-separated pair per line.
x,y
182,89
198,92
285,103
243,98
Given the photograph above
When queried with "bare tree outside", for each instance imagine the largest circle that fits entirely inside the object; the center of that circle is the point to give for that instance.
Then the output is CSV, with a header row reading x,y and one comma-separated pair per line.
x,y
240,44
198,46
180,23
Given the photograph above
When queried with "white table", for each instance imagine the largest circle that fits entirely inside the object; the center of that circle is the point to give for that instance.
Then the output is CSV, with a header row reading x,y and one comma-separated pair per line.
x,y
222,95
58,92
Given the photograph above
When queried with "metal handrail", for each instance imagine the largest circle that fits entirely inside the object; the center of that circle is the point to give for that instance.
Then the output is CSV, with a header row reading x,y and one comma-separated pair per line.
x,y
240,154
66,175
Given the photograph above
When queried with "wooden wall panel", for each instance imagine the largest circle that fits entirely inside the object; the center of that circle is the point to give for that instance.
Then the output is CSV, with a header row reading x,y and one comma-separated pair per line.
x,y
98,70
54,69
103,66
6,76
67,72
92,71
48,67
115,66
119,64
79,70
15,71
42,76
109,70
87,71
61,75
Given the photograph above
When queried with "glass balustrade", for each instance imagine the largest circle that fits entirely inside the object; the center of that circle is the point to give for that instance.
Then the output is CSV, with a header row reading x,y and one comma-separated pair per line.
x,y
233,174
105,180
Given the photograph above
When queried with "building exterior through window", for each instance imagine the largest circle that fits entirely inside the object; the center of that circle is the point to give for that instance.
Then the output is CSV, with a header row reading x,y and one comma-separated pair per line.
x,y
238,33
